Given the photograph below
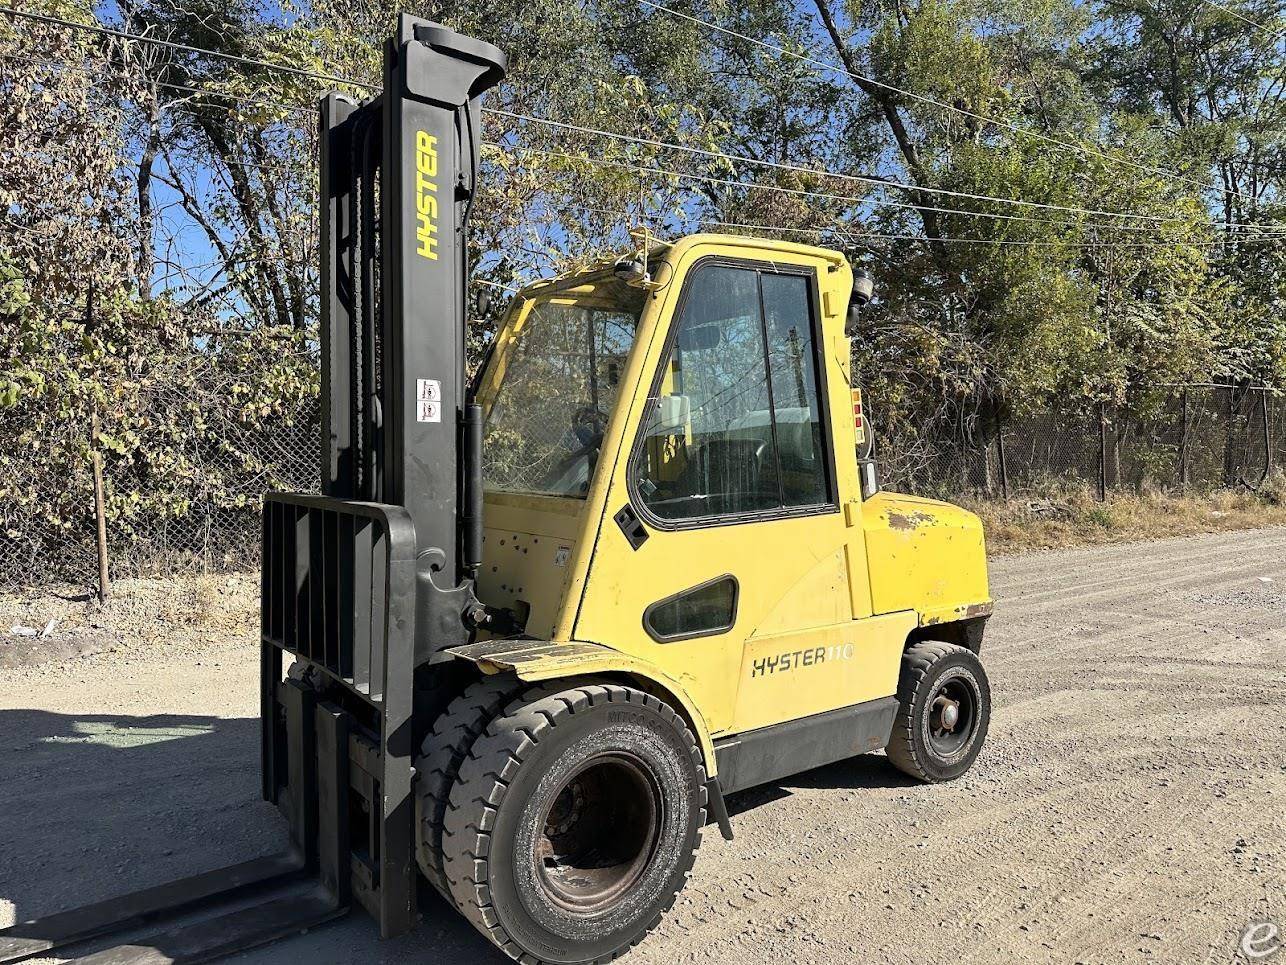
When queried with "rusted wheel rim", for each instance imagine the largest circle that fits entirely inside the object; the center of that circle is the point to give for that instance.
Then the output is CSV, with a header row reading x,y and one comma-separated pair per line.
x,y
599,833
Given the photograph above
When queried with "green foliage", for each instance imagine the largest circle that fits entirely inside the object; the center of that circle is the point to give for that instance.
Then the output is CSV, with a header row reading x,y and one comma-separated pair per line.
x,y
183,401
186,422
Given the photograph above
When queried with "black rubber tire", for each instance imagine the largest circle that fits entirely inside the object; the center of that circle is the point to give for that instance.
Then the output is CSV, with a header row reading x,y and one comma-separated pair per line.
x,y
926,668
503,795
438,763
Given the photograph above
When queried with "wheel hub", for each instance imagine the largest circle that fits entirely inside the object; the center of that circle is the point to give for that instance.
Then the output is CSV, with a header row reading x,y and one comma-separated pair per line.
x,y
946,713
599,833
951,716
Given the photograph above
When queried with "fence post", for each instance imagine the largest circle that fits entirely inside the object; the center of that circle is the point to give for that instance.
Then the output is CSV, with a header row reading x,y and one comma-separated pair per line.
x,y
100,510
1183,445
1230,468
1000,458
1102,452
1268,437
96,461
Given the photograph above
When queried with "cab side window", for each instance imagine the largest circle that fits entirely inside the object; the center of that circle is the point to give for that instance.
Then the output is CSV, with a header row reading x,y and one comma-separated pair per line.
x,y
734,424
788,326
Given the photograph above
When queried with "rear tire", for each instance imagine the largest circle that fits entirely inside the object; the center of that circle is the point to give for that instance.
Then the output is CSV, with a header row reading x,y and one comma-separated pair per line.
x,y
574,822
454,732
944,711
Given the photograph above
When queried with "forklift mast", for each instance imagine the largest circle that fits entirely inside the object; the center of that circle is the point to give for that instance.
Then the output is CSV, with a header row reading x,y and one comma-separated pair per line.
x,y
398,181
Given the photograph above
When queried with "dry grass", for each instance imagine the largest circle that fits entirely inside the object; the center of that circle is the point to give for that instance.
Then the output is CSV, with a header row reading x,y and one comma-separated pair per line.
x,y
141,608
1077,518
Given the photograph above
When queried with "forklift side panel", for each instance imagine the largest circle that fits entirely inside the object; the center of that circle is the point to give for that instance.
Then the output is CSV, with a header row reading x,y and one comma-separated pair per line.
x,y
925,555
794,675
529,542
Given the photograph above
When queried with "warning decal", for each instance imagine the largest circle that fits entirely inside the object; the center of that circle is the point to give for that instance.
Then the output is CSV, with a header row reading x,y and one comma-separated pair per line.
x,y
428,400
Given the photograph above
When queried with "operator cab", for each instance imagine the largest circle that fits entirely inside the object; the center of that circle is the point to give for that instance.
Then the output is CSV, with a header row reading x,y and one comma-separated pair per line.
x,y
704,355
733,423
550,385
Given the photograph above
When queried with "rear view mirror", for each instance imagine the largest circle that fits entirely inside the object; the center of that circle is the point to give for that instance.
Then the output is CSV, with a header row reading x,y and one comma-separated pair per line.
x,y
863,287
863,292
702,338
673,413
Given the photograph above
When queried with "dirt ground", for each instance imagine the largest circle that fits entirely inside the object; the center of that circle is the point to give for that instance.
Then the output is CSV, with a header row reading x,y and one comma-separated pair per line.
x,y
1130,804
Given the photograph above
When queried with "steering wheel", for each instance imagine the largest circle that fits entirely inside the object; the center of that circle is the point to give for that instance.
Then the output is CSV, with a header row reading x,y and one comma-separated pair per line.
x,y
588,426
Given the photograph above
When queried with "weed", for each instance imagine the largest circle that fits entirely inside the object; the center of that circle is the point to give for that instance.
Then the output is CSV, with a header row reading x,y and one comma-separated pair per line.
x,y
1100,516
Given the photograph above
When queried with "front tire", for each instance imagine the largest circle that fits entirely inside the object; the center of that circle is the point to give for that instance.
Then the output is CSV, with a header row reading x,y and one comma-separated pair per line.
x,y
944,711
574,822
438,765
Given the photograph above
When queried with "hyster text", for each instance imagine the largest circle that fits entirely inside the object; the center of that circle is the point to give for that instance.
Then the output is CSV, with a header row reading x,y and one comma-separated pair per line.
x,y
426,195
794,659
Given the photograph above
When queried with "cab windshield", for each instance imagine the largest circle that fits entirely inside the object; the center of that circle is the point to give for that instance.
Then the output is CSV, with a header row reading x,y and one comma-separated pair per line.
x,y
559,376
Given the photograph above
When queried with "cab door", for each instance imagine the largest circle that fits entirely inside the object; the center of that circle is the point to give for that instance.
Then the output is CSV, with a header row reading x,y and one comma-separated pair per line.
x,y
724,545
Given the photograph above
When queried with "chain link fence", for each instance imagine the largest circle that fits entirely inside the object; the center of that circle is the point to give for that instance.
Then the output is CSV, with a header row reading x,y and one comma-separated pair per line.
x,y
197,513
1176,439
215,531
1187,439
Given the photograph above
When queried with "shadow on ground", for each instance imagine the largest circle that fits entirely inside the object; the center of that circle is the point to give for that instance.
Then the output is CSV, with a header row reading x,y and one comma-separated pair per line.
x,y
866,771
92,806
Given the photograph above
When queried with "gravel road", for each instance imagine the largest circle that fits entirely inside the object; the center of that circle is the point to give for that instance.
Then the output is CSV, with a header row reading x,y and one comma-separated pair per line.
x,y
1130,804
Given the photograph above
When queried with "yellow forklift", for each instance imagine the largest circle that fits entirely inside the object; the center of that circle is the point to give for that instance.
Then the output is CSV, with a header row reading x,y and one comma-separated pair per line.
x,y
539,626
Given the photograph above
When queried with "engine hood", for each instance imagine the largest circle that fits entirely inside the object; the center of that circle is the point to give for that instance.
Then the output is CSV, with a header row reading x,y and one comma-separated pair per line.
x,y
927,556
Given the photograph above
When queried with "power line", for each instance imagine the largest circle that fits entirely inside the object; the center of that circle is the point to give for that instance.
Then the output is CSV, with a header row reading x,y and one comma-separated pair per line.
x,y
800,169
924,99
186,48
495,284
637,168
1002,242
848,232
180,88
214,163
861,235
604,162
801,192
854,199
1273,34
601,162
659,172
